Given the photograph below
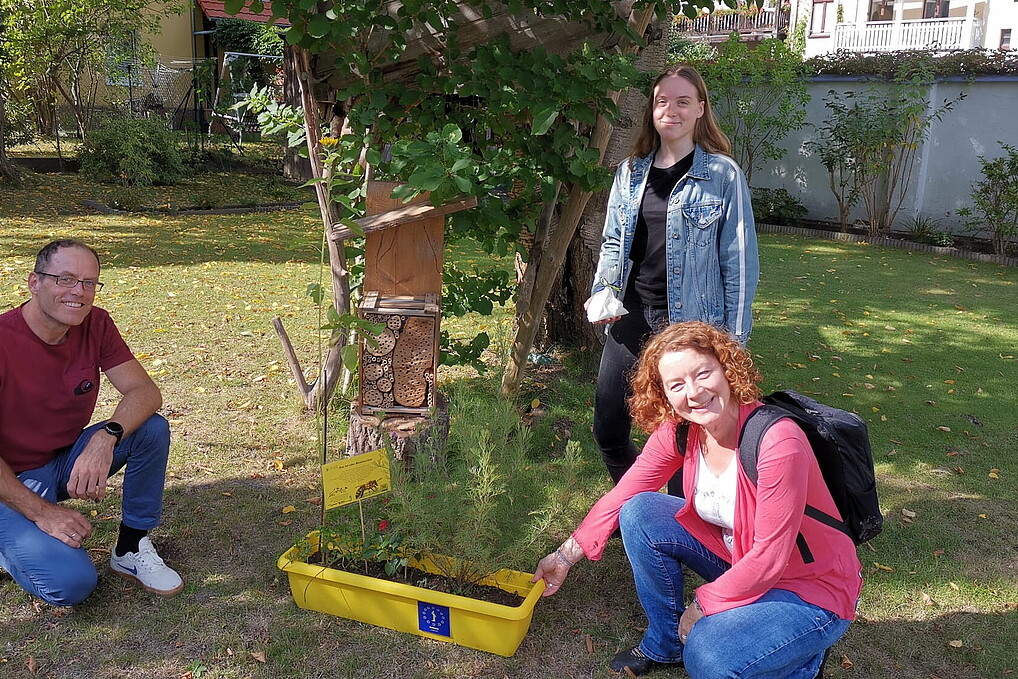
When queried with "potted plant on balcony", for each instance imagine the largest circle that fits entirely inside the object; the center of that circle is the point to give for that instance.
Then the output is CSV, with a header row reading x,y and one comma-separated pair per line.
x,y
461,517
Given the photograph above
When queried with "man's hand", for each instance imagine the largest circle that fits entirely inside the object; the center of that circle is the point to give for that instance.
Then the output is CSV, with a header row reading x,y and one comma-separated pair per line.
x,y
66,525
91,469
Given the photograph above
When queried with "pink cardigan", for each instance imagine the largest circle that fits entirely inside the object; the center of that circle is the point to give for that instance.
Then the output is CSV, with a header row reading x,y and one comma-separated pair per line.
x,y
768,518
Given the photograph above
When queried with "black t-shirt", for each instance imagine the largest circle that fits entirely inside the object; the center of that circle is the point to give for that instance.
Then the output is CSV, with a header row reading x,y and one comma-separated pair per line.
x,y
648,280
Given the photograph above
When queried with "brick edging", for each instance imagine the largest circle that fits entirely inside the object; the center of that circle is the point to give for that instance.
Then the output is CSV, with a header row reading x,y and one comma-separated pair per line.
x,y
890,243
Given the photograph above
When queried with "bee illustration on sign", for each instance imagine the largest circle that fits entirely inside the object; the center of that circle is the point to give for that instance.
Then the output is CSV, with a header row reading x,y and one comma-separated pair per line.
x,y
356,478
366,488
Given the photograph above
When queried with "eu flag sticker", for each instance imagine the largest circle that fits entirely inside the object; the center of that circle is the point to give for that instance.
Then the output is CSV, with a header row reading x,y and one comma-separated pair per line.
x,y
433,619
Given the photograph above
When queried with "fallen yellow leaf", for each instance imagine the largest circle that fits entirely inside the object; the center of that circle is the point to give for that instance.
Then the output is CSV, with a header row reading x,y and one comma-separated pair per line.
x,y
258,655
882,567
288,509
908,513
955,643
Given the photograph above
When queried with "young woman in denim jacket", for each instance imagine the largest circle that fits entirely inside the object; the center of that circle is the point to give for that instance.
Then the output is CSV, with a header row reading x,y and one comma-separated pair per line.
x,y
679,244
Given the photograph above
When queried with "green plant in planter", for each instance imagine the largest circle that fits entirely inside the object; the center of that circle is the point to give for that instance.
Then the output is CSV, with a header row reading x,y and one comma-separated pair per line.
x,y
476,504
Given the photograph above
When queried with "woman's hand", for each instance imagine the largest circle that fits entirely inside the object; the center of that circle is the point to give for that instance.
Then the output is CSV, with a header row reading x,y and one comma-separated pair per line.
x,y
554,568
603,321
688,619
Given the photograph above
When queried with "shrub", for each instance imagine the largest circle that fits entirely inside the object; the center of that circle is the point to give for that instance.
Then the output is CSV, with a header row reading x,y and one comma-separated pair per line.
x,y
132,153
905,64
777,206
759,96
996,199
926,230
19,127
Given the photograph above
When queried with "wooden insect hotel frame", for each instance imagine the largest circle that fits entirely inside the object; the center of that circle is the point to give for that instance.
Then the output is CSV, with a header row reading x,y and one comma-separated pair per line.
x,y
402,293
398,365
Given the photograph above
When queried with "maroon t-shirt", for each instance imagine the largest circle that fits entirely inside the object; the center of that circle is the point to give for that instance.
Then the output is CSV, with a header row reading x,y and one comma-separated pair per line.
x,y
48,393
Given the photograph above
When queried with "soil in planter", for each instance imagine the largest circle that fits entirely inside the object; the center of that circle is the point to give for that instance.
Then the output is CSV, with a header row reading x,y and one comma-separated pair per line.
x,y
438,583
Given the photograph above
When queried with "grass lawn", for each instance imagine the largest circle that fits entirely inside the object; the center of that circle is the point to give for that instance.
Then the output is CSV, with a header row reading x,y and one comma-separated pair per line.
x,y
924,347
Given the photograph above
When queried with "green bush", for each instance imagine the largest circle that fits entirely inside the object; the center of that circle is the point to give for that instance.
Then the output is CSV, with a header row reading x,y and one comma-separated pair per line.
x,y
19,128
927,230
996,199
132,153
906,64
777,206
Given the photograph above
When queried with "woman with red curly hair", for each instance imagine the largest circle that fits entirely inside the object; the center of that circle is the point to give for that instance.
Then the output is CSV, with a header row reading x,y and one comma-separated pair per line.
x,y
768,608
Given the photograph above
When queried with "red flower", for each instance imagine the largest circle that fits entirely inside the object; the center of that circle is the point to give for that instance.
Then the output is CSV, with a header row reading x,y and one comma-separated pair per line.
x,y
383,525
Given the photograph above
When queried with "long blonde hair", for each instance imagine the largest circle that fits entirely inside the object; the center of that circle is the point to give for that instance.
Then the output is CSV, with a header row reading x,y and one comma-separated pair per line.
x,y
707,133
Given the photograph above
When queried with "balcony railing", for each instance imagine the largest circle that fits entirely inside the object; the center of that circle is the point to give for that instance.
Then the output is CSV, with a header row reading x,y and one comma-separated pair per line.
x,y
888,36
720,24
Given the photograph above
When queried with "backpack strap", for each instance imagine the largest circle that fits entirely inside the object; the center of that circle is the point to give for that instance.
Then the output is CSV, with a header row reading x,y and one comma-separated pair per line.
x,y
750,438
675,483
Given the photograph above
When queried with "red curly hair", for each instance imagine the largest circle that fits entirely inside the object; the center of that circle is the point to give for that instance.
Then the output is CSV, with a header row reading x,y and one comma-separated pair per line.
x,y
649,406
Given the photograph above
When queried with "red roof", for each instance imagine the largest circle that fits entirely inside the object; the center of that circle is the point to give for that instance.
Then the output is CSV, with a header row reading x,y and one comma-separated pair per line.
x,y
214,9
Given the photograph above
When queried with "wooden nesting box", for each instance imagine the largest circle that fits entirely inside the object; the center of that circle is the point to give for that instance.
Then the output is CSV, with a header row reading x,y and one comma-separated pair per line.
x,y
399,364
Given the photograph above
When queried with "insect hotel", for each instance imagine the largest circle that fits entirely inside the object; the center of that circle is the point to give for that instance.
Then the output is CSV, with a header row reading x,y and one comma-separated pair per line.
x,y
397,398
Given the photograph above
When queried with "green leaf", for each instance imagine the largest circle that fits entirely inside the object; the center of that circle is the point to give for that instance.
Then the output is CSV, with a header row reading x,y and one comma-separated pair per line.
x,y
350,356
543,120
233,6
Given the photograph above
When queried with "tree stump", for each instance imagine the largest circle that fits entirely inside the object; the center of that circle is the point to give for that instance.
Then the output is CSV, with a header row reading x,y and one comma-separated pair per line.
x,y
404,434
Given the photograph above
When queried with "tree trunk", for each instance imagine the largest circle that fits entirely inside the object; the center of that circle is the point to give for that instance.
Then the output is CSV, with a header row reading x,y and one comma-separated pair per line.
x,y
8,172
404,434
555,250
566,319
295,166
318,394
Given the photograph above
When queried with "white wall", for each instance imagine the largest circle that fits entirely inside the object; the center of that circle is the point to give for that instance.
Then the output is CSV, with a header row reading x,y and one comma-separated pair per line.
x,y
946,166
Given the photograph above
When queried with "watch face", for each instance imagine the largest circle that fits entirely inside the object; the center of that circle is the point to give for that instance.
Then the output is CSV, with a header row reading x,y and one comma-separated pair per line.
x,y
114,429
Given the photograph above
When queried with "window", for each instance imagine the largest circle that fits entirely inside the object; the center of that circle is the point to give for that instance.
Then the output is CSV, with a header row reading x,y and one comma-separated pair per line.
x,y
822,19
1005,39
881,10
936,9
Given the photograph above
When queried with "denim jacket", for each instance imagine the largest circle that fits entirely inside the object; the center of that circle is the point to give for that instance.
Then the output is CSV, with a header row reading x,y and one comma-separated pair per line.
x,y
713,266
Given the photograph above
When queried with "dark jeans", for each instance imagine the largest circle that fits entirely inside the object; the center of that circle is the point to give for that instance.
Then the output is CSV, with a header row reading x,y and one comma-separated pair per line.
x,y
612,422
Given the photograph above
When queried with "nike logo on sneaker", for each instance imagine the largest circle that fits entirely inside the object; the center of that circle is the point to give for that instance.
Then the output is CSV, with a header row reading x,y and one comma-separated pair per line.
x,y
132,571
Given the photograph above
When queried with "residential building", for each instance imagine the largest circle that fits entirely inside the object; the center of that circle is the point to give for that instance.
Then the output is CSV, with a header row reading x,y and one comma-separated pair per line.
x,y
751,21
872,26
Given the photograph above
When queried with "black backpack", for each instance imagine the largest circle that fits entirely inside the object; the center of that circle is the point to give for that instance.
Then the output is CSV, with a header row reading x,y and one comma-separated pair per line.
x,y
842,448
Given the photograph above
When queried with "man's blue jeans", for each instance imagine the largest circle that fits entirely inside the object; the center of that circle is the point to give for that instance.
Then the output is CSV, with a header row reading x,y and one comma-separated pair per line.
x,y
778,636
63,575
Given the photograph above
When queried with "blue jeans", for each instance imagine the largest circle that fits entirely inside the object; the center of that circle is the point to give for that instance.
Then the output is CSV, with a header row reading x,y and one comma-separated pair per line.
x,y
778,636
63,575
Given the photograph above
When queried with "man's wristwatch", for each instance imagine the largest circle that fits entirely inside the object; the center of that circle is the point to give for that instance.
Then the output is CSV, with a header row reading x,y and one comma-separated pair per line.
x,y
114,429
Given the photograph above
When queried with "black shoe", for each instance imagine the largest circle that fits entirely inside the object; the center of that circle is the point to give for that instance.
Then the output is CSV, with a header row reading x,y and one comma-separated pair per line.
x,y
633,659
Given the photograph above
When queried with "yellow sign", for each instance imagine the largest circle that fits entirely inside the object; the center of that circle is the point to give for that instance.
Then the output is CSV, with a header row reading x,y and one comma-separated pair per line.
x,y
355,478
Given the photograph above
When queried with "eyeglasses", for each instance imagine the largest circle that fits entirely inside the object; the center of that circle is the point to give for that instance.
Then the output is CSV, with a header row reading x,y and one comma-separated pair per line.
x,y
71,281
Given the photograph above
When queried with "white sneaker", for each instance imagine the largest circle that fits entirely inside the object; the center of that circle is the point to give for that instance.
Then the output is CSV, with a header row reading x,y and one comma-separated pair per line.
x,y
147,569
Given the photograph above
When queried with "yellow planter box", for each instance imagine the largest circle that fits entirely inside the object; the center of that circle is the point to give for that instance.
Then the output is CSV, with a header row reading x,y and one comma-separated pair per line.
x,y
436,615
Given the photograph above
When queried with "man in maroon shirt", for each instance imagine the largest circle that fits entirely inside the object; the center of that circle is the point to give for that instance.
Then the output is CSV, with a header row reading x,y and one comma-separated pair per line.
x,y
51,351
